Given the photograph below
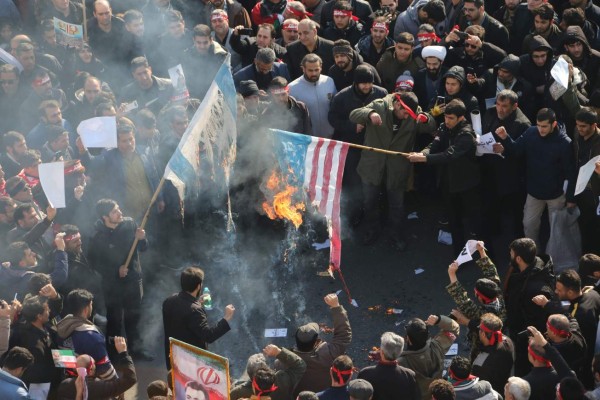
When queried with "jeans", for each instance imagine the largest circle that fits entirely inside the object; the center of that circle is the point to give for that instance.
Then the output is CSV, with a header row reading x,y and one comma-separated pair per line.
x,y
532,214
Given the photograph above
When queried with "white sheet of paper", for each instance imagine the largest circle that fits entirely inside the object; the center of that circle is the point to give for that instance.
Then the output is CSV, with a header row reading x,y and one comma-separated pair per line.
x,y
419,271
445,238
130,107
52,178
354,303
485,144
467,252
412,215
585,173
98,132
476,122
397,310
277,332
453,350
560,72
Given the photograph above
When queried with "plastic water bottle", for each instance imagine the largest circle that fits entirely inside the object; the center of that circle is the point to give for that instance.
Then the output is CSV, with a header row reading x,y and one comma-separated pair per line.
x,y
207,299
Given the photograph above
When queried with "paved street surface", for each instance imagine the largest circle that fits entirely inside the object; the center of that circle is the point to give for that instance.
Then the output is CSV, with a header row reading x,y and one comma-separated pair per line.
x,y
271,274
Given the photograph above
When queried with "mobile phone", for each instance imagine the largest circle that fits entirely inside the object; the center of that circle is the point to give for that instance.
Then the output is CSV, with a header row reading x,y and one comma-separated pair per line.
x,y
470,70
525,333
111,340
246,31
441,100
461,35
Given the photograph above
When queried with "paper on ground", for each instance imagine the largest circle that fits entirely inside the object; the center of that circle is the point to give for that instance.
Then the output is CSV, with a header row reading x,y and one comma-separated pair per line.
x,y
419,271
445,238
560,72
277,332
585,173
98,132
453,350
354,303
467,252
412,215
321,246
52,178
397,311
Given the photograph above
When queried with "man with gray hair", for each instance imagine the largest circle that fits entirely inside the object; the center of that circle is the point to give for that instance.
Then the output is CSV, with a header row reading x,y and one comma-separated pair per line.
x,y
316,91
387,377
517,389
263,70
308,43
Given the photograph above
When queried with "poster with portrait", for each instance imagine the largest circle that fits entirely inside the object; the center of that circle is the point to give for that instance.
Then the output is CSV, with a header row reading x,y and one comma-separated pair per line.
x,y
198,373
180,91
70,35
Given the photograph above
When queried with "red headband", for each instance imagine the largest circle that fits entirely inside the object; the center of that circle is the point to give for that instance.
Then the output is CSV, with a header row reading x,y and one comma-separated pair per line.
x,y
537,357
556,331
279,90
407,108
380,25
496,337
344,13
72,237
219,15
260,391
297,13
41,81
428,36
340,373
457,379
486,300
290,26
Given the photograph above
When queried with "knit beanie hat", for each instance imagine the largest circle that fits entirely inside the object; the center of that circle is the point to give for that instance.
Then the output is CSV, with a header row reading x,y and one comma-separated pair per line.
x,y
363,74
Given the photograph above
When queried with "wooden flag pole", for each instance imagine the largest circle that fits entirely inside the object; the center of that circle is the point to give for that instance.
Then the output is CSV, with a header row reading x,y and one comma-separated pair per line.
x,y
145,219
377,150
85,37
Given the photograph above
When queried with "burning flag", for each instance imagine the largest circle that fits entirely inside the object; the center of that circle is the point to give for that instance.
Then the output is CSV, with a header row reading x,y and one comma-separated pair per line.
x,y
315,165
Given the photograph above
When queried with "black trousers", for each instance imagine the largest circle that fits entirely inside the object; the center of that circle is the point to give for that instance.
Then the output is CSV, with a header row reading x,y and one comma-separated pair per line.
x,y
123,310
464,216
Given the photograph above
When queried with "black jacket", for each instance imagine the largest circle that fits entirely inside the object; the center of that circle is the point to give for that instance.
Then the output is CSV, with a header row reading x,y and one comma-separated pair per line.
x,y
342,104
503,175
537,278
590,63
543,380
495,32
494,363
420,87
247,48
108,251
458,73
537,76
352,33
294,118
455,149
573,350
296,52
362,10
390,379
343,79
184,319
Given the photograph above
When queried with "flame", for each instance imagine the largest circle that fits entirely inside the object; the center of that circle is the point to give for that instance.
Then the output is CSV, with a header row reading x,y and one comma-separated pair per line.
x,y
280,200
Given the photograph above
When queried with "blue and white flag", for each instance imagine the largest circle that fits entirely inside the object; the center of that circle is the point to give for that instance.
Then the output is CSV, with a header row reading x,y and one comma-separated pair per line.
x,y
210,136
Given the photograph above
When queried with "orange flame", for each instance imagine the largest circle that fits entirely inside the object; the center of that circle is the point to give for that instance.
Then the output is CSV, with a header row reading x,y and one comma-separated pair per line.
x,y
280,201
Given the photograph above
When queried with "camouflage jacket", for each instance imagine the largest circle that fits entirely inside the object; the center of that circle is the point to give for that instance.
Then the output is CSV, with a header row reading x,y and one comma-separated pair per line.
x,y
474,309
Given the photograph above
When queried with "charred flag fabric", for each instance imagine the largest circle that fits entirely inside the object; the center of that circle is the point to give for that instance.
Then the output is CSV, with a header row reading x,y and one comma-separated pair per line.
x,y
317,165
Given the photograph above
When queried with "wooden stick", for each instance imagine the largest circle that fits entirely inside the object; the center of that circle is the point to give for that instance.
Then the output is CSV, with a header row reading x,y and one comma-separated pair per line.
x,y
85,37
377,150
145,219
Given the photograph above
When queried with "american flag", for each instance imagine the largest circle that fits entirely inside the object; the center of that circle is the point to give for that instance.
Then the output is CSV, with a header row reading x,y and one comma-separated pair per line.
x,y
316,164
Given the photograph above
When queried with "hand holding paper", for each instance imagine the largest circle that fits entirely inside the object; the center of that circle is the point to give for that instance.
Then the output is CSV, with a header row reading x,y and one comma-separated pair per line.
x,y
467,251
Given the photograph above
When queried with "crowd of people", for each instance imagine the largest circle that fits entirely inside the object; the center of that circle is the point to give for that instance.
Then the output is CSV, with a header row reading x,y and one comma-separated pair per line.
x,y
422,79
